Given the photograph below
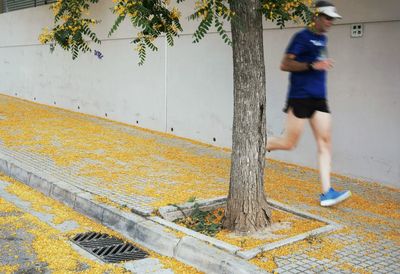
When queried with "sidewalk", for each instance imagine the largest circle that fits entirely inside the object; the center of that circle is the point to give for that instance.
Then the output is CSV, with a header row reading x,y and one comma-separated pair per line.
x,y
144,170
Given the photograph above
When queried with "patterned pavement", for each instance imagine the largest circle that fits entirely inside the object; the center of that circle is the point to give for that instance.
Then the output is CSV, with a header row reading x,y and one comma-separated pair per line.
x,y
144,170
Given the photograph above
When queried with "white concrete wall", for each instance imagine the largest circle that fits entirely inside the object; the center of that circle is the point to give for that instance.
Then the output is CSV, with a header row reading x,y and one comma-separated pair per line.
x,y
188,88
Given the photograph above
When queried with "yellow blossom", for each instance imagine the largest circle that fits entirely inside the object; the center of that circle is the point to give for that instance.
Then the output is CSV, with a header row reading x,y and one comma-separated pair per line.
x,y
175,13
46,36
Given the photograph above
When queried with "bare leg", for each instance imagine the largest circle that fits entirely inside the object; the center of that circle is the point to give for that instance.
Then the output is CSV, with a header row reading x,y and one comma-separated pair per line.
x,y
321,125
293,129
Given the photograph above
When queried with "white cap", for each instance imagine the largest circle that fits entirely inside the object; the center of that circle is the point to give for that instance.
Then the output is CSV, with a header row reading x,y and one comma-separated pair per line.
x,y
330,11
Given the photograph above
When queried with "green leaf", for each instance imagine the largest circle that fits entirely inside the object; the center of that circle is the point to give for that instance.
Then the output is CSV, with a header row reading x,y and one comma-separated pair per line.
x,y
117,22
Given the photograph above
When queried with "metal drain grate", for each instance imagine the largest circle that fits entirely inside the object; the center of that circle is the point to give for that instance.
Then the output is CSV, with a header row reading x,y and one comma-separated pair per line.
x,y
107,248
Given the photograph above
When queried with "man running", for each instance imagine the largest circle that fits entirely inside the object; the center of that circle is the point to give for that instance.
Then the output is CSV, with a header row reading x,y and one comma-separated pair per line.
x,y
306,60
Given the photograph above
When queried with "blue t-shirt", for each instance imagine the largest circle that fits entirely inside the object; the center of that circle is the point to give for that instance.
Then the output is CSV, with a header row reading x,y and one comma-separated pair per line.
x,y
308,47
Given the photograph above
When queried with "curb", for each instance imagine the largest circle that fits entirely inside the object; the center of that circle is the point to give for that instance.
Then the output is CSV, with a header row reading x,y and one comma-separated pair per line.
x,y
145,231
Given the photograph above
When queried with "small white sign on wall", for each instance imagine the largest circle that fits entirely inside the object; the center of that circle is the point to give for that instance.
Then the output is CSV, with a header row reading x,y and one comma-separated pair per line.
x,y
357,30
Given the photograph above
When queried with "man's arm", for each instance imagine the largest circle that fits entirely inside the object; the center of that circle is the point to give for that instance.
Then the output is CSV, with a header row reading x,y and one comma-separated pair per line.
x,y
291,65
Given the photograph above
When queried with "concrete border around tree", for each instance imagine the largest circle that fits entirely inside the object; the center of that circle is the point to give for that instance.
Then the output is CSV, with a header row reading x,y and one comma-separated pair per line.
x,y
170,213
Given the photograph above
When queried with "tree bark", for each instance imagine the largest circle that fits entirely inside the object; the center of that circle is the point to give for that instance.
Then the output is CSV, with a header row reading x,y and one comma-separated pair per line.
x,y
247,209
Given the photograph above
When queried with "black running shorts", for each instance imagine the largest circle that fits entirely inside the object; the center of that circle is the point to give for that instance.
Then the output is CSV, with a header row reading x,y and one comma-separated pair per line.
x,y
305,108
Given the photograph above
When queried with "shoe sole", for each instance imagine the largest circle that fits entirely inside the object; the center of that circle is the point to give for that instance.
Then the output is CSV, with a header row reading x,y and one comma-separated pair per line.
x,y
346,195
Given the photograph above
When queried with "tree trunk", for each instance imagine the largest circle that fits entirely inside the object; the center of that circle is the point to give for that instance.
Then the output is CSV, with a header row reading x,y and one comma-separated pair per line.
x,y
247,209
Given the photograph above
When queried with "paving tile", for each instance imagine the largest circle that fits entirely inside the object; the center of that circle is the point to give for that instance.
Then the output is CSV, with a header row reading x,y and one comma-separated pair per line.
x,y
297,270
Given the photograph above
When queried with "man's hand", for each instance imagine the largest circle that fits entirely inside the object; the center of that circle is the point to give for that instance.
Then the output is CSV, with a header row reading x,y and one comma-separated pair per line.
x,y
323,65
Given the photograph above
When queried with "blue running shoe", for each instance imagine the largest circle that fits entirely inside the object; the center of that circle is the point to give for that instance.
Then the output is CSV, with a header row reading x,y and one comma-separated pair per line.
x,y
332,197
